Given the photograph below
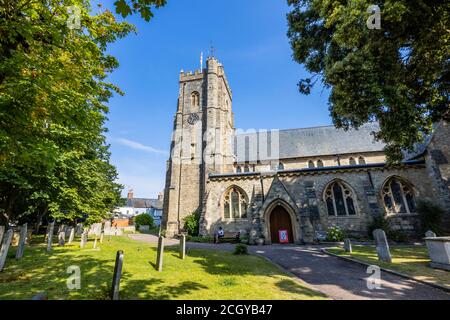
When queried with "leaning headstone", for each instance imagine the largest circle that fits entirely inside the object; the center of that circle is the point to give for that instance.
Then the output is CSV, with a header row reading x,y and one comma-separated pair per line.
x,y
382,246
2,232
101,236
95,243
160,255
84,238
347,245
61,228
23,237
62,238
117,275
50,236
183,246
5,247
107,228
71,235
430,234
79,230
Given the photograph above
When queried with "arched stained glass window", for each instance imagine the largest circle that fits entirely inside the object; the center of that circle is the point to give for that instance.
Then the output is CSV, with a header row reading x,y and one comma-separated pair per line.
x,y
398,196
235,204
340,199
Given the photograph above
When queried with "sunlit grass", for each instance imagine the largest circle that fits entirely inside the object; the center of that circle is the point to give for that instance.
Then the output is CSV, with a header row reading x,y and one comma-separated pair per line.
x,y
412,261
204,274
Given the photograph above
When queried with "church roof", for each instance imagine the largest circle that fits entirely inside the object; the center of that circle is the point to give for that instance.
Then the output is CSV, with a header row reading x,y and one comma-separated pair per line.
x,y
309,142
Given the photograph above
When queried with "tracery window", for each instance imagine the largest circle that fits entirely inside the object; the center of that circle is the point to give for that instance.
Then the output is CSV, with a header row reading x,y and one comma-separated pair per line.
x,y
398,196
238,169
310,164
340,200
352,161
235,204
361,160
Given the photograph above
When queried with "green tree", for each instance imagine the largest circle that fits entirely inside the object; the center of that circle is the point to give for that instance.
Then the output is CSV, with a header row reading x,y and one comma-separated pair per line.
x,y
397,75
53,93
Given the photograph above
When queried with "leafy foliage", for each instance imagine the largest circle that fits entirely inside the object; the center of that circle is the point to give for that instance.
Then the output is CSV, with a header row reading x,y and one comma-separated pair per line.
x,y
334,234
240,249
397,75
54,159
143,219
191,223
144,7
431,217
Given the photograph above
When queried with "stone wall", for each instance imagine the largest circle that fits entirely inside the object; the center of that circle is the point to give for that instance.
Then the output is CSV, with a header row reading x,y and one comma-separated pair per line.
x,y
303,192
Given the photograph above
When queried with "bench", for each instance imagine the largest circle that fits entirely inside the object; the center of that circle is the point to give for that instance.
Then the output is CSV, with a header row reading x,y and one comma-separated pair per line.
x,y
233,237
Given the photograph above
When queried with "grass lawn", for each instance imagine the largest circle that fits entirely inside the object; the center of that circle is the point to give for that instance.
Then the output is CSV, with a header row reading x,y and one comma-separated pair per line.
x,y
412,261
205,274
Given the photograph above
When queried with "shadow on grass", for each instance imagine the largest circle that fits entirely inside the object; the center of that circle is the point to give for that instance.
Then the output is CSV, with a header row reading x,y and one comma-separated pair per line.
x,y
293,287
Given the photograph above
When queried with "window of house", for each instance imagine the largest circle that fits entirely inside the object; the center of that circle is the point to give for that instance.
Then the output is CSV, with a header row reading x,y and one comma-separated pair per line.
x,y
235,204
352,161
319,164
195,99
398,196
310,164
361,160
340,200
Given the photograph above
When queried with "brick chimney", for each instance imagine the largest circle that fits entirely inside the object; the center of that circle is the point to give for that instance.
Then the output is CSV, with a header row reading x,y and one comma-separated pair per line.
x,y
130,194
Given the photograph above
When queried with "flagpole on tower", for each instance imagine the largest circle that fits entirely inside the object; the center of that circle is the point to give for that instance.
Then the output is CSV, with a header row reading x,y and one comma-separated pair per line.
x,y
201,61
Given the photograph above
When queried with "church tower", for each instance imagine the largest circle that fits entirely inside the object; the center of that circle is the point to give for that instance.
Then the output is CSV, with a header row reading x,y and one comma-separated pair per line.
x,y
201,142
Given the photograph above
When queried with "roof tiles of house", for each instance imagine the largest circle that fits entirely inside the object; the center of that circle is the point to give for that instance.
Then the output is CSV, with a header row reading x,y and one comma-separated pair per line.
x,y
316,141
144,203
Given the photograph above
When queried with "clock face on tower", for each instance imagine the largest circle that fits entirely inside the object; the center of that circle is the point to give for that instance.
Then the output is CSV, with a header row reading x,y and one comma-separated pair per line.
x,y
193,118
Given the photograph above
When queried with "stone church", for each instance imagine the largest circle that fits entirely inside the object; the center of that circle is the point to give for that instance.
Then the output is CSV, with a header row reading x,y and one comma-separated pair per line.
x,y
298,181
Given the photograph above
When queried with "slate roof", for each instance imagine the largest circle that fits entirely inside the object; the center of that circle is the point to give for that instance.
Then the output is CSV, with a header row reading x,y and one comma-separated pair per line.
x,y
144,203
316,141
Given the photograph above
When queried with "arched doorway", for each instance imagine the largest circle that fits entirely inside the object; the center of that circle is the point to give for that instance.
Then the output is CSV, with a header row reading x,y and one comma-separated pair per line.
x,y
280,220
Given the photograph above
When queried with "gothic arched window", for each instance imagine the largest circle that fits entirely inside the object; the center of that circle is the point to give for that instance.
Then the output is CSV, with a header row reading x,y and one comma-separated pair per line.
x,y
340,199
195,99
398,196
235,204
319,163
246,168
280,166
310,164
361,160
352,161
238,169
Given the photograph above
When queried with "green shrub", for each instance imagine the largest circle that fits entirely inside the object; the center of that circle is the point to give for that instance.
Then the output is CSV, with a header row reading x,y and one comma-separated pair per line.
x,y
240,249
191,223
430,216
335,234
380,222
143,219
199,239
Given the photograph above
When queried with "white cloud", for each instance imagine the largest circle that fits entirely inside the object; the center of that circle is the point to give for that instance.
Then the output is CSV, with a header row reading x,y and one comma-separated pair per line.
x,y
139,146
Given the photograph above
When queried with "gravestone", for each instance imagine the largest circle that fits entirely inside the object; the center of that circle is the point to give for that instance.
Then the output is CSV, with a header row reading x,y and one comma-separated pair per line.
x,y
71,235
183,246
160,255
61,228
5,247
117,275
61,238
107,228
2,232
101,236
51,228
382,246
430,234
23,236
95,243
79,230
84,238
347,245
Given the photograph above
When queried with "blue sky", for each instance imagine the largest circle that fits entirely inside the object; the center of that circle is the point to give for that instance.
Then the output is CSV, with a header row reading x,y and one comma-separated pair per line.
x,y
251,42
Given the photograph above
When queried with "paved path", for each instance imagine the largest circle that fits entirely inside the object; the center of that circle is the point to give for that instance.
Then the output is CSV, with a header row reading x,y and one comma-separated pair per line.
x,y
337,278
